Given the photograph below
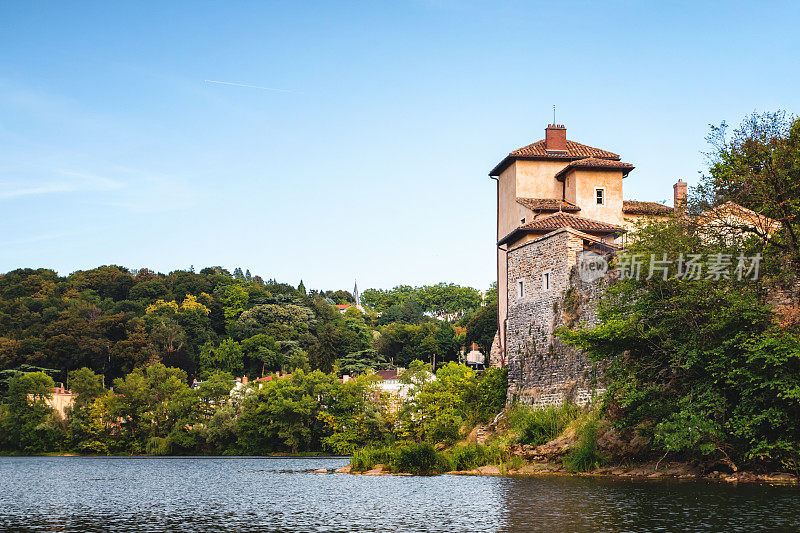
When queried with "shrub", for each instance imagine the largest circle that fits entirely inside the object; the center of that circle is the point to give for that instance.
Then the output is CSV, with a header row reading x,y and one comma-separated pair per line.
x,y
420,459
158,446
366,458
584,455
491,394
471,456
539,426
514,462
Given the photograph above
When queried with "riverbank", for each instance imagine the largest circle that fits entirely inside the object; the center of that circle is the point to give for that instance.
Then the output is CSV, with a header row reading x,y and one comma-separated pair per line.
x,y
675,471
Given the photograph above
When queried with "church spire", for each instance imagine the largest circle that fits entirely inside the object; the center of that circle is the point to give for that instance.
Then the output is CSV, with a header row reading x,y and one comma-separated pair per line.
x,y
356,295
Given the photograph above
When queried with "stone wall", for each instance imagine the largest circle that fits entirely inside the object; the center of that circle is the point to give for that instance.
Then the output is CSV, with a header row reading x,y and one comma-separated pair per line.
x,y
542,370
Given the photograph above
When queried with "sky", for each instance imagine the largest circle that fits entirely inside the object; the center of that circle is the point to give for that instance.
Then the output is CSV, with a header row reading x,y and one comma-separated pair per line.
x,y
348,140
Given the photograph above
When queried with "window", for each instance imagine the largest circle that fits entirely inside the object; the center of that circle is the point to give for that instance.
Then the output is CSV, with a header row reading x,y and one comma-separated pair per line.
x,y
522,220
521,288
546,281
600,195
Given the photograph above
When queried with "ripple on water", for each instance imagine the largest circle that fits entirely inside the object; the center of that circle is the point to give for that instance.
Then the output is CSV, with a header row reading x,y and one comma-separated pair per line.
x,y
279,494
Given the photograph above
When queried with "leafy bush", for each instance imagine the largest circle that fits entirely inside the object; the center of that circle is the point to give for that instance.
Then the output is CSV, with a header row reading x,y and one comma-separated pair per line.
x,y
491,394
157,446
584,455
471,456
539,426
366,458
420,459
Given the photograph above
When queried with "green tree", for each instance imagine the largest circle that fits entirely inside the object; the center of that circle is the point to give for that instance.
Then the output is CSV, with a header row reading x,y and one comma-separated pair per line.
x,y
28,423
482,327
701,366
88,387
758,167
140,402
228,356
285,414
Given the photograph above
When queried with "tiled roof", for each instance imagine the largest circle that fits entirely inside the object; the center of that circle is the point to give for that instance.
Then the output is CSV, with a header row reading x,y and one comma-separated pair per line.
x,y
574,150
548,204
632,207
387,374
595,163
562,220
565,220
538,150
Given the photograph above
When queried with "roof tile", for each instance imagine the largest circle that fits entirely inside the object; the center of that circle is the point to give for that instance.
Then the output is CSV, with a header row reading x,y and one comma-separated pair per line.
x,y
574,150
548,204
633,207
565,220
596,163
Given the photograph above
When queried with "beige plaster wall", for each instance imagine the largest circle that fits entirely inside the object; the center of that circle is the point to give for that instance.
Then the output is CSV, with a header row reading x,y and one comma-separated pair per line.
x,y
506,202
580,190
536,179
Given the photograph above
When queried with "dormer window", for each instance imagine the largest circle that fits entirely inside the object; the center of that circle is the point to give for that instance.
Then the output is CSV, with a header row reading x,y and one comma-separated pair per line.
x,y
600,195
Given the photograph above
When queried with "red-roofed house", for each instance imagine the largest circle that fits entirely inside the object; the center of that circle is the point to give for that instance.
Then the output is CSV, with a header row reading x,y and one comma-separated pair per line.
x,y
556,198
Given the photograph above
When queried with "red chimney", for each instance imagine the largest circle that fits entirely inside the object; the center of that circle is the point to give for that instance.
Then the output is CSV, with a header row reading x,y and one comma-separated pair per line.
x,y
679,197
555,136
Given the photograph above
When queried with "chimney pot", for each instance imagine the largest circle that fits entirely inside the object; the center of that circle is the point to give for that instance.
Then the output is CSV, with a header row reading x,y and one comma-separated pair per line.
x,y
555,136
679,197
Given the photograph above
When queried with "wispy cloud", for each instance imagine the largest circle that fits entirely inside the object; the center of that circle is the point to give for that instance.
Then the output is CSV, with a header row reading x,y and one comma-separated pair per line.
x,y
249,86
38,238
55,181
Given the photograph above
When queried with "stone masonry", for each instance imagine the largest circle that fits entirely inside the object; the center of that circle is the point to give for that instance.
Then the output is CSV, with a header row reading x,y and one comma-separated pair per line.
x,y
542,370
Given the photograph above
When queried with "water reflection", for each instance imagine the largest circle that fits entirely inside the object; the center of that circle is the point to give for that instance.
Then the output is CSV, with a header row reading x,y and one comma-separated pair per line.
x,y
591,504
276,494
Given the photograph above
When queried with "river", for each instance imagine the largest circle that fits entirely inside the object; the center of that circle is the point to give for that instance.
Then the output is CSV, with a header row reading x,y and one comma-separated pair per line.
x,y
154,494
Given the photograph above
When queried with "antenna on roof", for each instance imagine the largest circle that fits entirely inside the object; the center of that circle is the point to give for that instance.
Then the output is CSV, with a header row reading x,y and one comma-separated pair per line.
x,y
554,115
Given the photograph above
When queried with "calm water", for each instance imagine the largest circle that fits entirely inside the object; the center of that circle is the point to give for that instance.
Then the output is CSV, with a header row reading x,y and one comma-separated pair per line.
x,y
277,494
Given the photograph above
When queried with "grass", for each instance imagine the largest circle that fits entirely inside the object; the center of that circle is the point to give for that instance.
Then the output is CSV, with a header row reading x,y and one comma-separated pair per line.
x,y
471,456
366,458
515,462
420,459
540,426
583,456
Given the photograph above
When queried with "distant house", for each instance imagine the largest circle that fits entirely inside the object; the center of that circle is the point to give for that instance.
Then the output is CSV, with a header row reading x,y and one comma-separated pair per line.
x,y
732,221
60,400
260,381
389,377
389,381
475,358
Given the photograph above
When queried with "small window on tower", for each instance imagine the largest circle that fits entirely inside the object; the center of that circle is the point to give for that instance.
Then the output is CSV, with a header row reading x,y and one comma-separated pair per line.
x,y
600,194
521,288
546,281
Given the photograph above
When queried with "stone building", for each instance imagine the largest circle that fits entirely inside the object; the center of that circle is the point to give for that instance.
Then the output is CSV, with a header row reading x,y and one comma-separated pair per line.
x,y
556,199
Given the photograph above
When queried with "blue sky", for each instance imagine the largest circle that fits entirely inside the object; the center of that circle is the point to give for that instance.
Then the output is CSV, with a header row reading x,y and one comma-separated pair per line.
x,y
371,160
